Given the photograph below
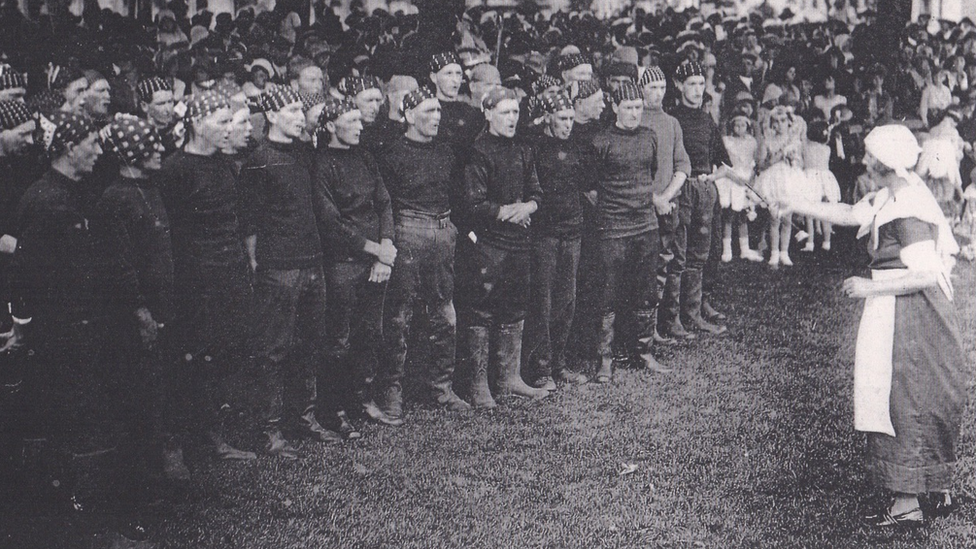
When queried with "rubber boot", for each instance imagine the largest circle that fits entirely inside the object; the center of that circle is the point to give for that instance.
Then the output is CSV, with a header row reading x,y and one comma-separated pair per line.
x,y
388,408
508,356
474,348
669,322
605,349
691,304
646,328
710,313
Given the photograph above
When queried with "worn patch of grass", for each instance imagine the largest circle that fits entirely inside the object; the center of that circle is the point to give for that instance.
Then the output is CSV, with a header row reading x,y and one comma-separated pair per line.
x,y
748,444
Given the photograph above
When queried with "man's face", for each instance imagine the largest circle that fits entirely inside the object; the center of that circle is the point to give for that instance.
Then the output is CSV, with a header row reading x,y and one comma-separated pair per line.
x,y
16,141
692,90
13,94
748,66
75,95
629,113
369,103
97,98
289,119
617,81
347,128
592,107
84,155
259,77
561,123
448,80
160,109
240,130
578,73
214,130
654,93
425,117
153,162
503,119
310,80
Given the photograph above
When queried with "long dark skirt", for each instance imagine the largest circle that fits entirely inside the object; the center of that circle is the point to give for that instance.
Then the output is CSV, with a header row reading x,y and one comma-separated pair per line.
x,y
928,396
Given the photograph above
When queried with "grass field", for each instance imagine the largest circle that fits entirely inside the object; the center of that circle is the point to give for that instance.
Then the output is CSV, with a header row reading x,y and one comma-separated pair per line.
x,y
749,443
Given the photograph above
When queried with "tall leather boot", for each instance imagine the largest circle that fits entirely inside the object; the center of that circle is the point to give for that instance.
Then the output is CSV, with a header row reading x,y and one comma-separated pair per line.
x,y
508,357
691,304
474,349
669,322
605,349
646,328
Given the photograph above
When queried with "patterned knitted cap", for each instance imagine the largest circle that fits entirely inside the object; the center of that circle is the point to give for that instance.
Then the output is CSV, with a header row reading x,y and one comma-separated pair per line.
x,y
276,98
496,96
688,69
59,77
571,61
440,60
543,83
149,86
334,108
628,91
13,114
310,100
130,139
202,105
414,98
583,89
351,86
64,129
651,74
10,79
555,101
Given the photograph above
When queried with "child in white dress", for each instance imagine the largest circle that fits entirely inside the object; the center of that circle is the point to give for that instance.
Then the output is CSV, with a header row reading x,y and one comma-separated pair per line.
x,y
734,196
816,166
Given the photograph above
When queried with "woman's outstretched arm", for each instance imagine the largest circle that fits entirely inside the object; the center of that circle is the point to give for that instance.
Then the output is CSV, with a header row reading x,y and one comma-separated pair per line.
x,y
836,213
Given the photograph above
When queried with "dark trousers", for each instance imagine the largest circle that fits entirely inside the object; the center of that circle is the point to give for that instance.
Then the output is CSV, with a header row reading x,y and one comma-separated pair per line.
x,y
586,322
693,234
492,284
629,267
710,270
552,304
289,325
424,274
353,330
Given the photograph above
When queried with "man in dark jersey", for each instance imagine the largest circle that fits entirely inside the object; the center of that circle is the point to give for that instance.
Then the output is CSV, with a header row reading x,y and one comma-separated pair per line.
x,y
420,174
213,295
285,253
500,193
365,92
626,161
563,170
460,122
156,101
696,206
356,226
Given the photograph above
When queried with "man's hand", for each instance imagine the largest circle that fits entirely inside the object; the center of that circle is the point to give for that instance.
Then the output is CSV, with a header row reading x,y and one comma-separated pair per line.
x,y
591,197
387,252
857,287
661,205
148,328
518,213
380,272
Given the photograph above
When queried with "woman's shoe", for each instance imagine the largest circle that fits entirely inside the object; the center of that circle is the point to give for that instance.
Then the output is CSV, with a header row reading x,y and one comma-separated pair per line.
x,y
884,519
784,259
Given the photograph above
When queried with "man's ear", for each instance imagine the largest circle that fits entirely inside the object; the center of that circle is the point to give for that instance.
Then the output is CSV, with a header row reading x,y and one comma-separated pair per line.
x,y
271,116
433,78
614,106
409,116
331,126
144,106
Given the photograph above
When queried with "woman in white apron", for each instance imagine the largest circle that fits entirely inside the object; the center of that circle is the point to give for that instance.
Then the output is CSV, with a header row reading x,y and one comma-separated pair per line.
x,y
910,369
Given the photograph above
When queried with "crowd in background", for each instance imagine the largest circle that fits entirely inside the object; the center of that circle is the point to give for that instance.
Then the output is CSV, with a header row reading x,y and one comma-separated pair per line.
x,y
215,226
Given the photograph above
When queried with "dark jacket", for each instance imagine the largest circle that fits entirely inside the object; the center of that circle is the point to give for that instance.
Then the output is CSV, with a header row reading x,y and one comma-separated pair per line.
x,y
564,174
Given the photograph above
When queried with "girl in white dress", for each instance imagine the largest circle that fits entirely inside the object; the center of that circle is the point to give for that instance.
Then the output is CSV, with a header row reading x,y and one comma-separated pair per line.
x,y
816,166
734,196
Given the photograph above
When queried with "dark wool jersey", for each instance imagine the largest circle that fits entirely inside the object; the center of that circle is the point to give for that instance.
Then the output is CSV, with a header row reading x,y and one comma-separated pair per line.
x,y
56,269
351,202
703,140
380,135
276,205
139,252
420,176
499,171
200,195
626,161
564,175
460,125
